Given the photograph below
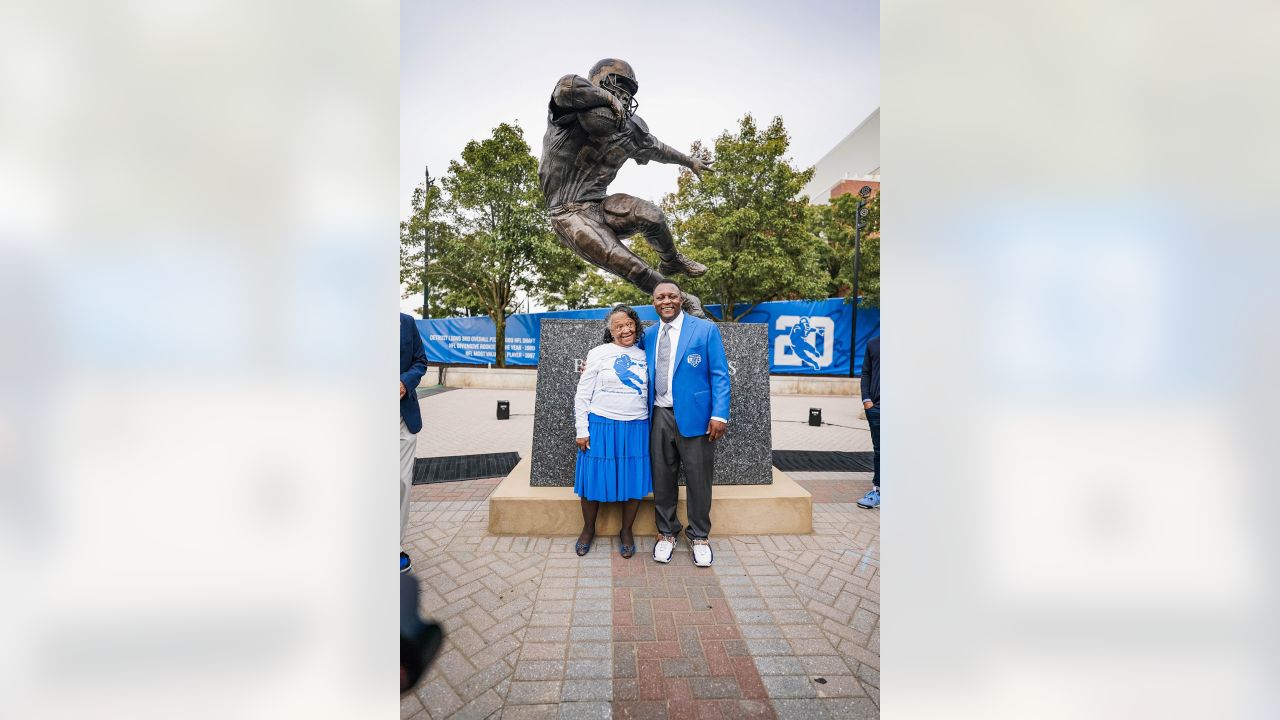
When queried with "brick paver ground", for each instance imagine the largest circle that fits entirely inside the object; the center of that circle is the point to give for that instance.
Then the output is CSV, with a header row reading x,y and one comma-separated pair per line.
x,y
780,626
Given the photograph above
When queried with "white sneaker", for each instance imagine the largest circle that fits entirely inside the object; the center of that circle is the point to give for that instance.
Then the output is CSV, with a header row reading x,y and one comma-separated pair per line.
x,y
663,548
702,555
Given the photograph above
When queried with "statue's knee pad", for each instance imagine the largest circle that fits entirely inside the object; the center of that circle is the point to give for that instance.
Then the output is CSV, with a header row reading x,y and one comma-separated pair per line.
x,y
627,210
650,214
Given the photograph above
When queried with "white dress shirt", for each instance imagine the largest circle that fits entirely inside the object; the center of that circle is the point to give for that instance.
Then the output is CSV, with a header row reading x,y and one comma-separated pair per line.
x,y
673,337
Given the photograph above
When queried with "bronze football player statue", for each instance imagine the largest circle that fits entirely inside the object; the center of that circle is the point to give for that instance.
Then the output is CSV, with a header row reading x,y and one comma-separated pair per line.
x,y
592,129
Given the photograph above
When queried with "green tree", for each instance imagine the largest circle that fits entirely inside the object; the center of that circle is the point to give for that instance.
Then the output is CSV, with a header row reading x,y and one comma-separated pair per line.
x,y
834,223
503,246
616,290
578,286
747,222
428,224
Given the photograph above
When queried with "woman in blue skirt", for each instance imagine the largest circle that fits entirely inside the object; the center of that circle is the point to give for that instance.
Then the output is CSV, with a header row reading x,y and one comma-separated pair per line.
x,y
611,412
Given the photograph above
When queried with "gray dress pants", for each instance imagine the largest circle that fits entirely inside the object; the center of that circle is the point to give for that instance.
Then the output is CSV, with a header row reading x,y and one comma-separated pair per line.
x,y
668,449
408,446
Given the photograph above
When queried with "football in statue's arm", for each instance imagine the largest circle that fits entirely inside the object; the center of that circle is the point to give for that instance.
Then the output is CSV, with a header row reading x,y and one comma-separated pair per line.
x,y
598,121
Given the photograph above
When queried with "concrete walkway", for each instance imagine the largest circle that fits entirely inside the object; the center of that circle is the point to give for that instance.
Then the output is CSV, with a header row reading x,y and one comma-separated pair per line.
x,y
779,627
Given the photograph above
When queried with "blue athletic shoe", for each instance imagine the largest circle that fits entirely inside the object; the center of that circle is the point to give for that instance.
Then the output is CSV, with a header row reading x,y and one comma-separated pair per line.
x,y
871,499
405,563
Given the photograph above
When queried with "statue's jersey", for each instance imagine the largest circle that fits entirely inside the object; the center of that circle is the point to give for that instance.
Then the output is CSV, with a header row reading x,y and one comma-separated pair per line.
x,y
577,166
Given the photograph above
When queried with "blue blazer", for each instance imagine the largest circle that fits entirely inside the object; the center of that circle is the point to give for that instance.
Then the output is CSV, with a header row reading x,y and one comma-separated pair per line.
x,y
700,387
413,365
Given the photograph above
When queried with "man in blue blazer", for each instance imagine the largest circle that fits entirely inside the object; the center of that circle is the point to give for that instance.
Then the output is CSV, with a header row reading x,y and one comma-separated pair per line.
x,y
413,365
689,410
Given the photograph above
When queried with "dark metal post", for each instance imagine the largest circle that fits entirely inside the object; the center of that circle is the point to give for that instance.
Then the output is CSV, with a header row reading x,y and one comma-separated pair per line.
x,y
861,211
426,246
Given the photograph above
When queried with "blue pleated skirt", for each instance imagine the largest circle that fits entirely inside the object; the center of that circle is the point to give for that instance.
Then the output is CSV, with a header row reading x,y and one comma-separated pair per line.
x,y
617,465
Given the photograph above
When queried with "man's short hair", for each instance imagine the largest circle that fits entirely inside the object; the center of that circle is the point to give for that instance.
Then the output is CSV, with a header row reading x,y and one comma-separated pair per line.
x,y
668,282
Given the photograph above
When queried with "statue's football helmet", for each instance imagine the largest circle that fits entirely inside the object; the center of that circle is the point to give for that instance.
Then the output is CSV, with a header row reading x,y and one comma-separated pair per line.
x,y
618,79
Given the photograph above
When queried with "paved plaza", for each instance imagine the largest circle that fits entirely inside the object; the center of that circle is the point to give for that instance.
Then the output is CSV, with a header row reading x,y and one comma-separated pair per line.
x,y
780,627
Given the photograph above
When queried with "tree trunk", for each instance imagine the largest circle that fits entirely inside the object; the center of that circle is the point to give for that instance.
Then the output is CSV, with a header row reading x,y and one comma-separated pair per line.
x,y
500,338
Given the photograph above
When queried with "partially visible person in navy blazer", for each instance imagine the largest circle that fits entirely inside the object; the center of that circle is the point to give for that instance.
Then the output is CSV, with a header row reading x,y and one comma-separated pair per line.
x,y
689,411
413,365
871,404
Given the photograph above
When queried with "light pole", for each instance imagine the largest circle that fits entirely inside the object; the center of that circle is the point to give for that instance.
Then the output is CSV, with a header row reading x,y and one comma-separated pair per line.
x,y
861,212
426,246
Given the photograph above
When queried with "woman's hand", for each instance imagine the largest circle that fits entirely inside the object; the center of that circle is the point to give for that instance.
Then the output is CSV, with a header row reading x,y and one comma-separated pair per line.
x,y
584,443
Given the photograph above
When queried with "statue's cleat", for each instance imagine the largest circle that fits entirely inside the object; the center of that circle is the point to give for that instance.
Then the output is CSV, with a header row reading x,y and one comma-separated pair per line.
x,y
682,265
693,305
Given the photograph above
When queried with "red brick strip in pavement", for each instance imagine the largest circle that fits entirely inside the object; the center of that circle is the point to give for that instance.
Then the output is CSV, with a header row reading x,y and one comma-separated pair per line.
x,y
677,651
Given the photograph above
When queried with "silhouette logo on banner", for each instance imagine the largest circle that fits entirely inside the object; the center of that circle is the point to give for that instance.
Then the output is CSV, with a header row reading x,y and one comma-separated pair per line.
x,y
806,341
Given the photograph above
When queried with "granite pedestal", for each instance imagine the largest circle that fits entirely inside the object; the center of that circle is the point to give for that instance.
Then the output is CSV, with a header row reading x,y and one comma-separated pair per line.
x,y
743,455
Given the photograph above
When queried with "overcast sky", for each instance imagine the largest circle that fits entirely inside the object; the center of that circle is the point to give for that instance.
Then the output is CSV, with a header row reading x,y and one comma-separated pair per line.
x,y
466,67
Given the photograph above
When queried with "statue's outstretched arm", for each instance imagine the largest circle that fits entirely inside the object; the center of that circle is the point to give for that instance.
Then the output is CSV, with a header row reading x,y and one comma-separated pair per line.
x,y
664,153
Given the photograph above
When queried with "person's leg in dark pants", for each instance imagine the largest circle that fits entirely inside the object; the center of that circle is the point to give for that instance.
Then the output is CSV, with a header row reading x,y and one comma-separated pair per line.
x,y
872,499
698,456
664,456
873,419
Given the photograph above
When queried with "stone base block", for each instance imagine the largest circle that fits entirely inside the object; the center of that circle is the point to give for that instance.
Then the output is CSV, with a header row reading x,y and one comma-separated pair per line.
x,y
482,377
782,508
815,385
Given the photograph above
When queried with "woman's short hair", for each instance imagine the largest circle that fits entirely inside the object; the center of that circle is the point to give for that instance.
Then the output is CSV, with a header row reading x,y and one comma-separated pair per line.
x,y
631,313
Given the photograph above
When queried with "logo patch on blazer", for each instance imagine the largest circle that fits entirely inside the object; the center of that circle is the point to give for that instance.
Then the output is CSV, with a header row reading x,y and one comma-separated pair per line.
x,y
694,359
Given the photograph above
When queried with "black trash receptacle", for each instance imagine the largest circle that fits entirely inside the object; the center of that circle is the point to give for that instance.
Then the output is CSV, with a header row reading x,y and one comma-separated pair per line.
x,y
815,416
504,410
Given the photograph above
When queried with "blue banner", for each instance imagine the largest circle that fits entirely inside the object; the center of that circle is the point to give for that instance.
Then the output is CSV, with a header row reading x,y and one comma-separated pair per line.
x,y
805,337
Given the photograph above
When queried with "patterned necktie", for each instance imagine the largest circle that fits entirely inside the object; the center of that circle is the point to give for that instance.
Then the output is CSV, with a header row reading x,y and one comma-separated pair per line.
x,y
664,359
